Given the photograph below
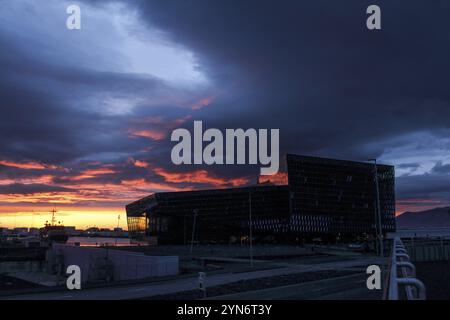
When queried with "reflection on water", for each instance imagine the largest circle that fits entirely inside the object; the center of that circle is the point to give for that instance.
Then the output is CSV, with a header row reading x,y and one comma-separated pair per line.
x,y
98,241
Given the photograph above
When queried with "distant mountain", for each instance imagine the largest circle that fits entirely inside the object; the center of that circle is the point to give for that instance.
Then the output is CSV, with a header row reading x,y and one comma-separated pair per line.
x,y
434,218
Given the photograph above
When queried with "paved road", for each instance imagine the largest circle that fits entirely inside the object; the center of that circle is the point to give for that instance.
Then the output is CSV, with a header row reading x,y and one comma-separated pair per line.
x,y
347,287
137,291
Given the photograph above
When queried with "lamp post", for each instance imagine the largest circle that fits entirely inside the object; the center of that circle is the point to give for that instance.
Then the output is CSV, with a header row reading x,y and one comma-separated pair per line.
x,y
378,211
117,230
250,231
193,229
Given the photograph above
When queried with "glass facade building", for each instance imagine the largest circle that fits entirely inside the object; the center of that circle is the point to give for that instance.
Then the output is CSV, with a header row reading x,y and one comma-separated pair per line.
x,y
326,198
337,197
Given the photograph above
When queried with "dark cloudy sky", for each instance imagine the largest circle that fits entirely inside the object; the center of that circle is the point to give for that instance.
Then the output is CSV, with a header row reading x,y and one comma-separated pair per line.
x,y
86,114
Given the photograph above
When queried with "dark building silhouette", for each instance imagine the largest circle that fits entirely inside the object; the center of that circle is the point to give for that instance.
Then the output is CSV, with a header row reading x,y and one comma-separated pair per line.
x,y
337,197
324,198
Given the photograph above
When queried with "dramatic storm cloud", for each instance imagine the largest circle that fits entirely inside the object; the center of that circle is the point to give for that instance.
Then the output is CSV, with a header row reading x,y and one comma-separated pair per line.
x,y
86,115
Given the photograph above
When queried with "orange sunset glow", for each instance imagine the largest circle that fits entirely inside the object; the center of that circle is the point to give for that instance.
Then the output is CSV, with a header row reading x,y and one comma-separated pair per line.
x,y
80,217
26,165
95,193
150,134
89,194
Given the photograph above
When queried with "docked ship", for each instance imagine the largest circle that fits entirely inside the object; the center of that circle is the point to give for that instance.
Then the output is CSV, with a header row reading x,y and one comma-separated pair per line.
x,y
53,231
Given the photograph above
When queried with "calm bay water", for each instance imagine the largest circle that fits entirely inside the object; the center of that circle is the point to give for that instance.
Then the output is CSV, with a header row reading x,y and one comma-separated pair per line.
x,y
98,241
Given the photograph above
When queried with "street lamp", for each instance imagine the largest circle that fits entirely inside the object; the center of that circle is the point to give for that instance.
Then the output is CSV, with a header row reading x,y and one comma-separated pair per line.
x,y
378,211
193,229
250,231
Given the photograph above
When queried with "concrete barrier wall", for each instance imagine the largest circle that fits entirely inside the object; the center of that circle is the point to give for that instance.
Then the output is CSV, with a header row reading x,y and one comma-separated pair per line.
x,y
21,266
137,266
124,265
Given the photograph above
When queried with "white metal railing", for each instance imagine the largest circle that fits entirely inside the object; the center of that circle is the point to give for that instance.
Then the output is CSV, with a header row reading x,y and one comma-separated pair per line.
x,y
406,278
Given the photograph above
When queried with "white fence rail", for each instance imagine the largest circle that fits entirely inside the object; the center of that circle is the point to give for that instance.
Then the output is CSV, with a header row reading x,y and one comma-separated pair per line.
x,y
402,275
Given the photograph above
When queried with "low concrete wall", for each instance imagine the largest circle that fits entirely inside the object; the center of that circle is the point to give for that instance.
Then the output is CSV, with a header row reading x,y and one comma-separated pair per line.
x,y
420,233
100,263
23,266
